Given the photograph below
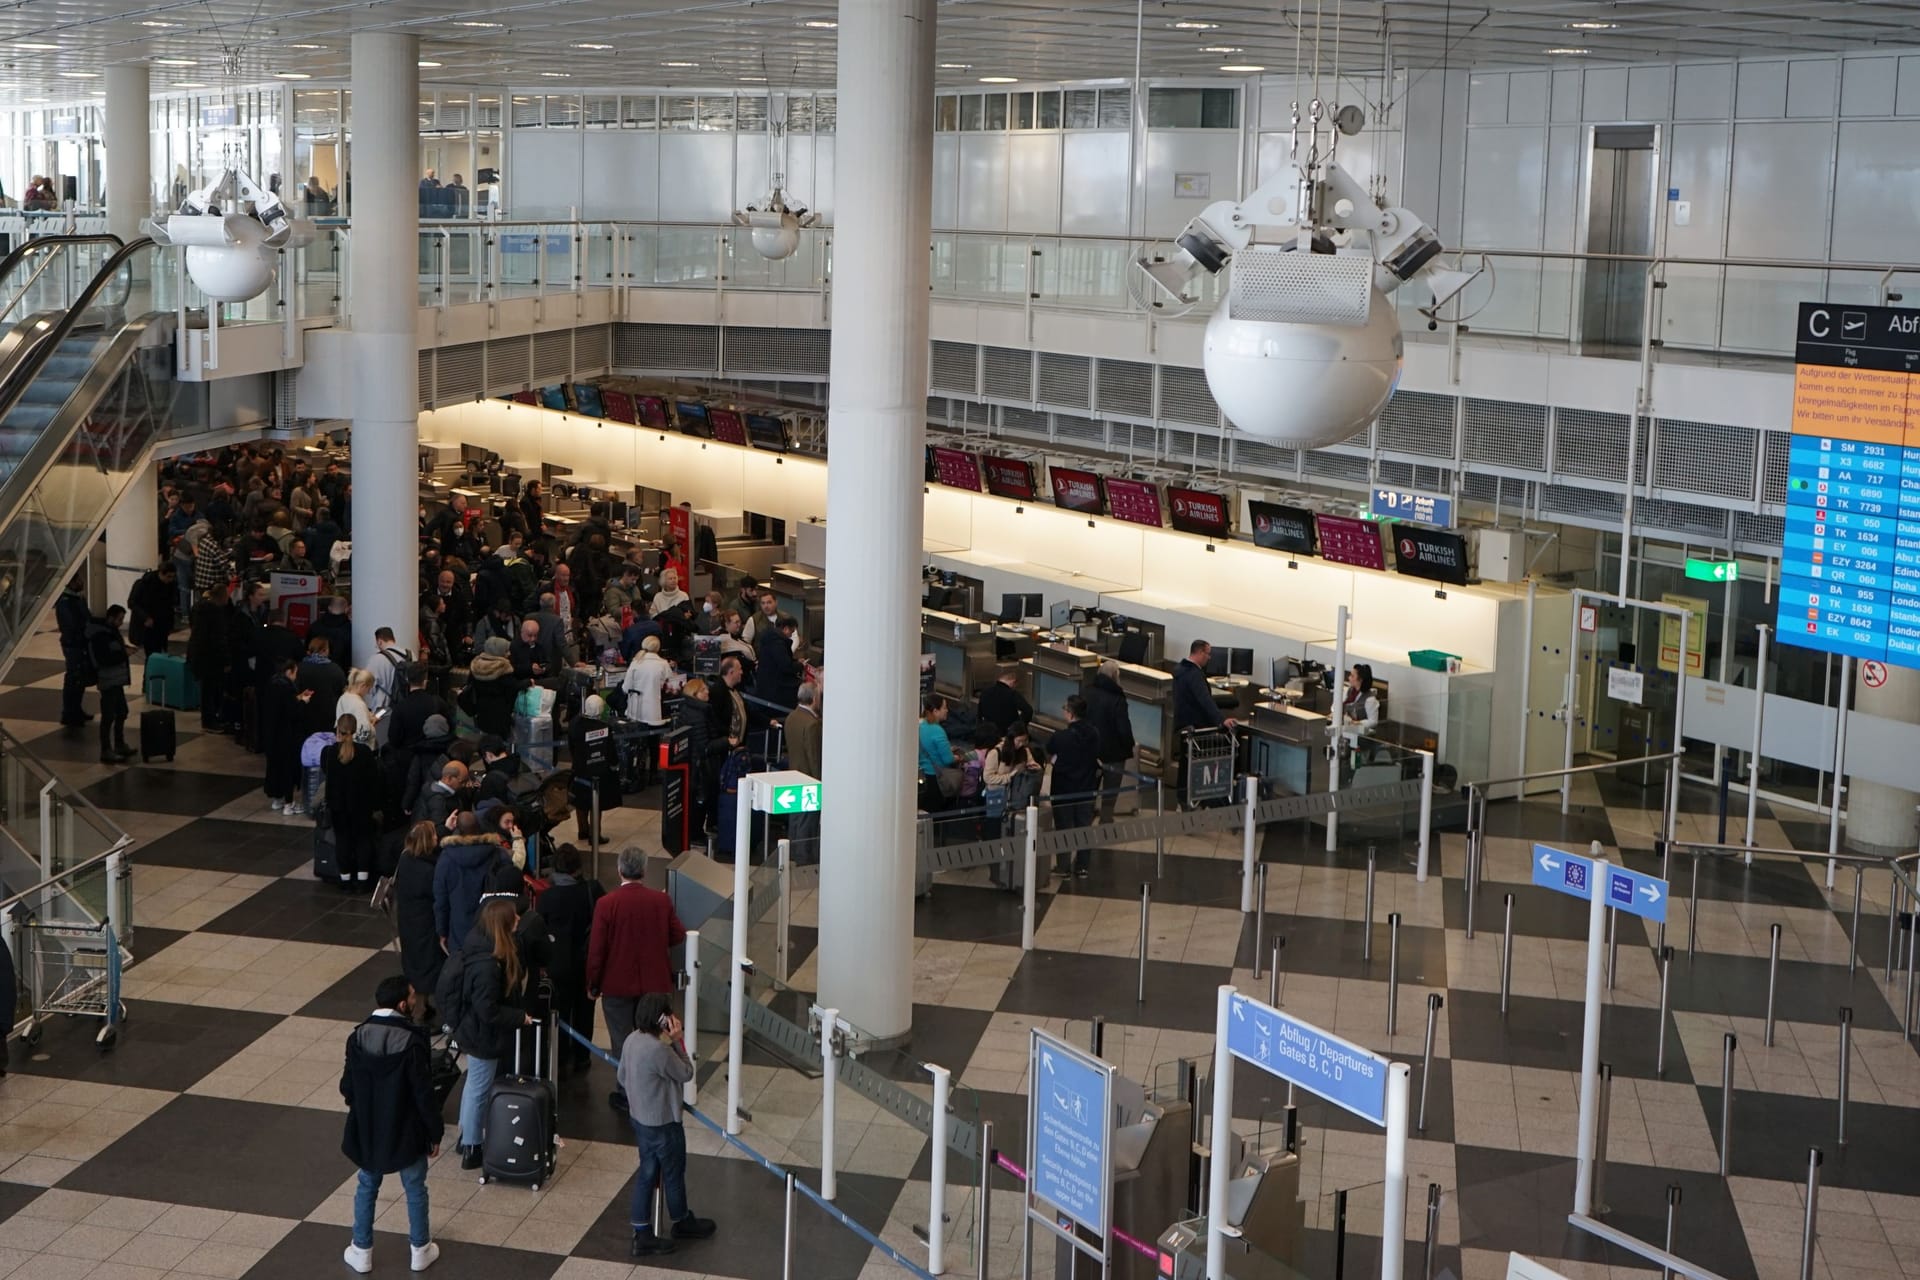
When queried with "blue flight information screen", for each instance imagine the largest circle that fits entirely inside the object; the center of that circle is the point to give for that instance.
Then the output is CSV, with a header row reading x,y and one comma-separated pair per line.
x,y
1850,566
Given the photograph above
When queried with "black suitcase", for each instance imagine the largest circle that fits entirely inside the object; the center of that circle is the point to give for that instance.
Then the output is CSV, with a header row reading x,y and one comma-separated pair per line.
x,y
326,867
250,720
156,734
523,1122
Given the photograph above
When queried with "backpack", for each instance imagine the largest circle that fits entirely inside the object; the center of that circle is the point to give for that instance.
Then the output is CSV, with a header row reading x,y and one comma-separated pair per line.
x,y
450,993
971,772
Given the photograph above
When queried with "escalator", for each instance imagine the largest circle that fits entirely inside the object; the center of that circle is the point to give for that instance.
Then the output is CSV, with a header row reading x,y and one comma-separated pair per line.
x,y
86,389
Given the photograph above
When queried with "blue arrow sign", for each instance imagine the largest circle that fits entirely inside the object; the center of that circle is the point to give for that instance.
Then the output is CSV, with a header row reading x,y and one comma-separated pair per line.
x,y
1318,1061
1409,504
1625,889
1072,1110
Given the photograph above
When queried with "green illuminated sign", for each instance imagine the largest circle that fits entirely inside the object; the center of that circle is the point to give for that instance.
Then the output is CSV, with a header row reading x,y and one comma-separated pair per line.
x,y
1713,570
796,798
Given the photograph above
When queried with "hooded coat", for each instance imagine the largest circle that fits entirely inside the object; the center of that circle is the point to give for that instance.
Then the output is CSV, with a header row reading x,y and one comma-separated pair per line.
x,y
492,688
459,878
391,1119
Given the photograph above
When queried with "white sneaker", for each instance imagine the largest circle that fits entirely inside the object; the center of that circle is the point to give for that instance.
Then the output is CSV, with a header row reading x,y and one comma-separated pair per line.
x,y
360,876
293,811
359,1259
277,805
425,1255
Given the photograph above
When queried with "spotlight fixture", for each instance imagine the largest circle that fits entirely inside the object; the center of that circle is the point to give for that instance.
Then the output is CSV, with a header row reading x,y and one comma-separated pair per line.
x,y
426,62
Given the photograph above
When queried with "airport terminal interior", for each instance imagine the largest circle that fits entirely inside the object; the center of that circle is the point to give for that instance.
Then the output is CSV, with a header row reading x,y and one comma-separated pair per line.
x,y
1171,640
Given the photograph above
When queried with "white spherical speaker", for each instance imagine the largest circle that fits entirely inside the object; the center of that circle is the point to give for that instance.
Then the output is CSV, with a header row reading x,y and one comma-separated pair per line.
x,y
777,242
1303,385
233,272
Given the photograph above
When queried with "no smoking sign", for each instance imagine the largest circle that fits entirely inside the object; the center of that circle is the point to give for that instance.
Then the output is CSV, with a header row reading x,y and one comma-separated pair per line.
x,y
1873,673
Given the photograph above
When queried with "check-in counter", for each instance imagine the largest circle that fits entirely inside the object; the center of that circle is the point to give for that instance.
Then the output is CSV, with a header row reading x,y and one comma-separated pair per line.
x,y
1053,674
1149,693
962,652
802,593
1289,748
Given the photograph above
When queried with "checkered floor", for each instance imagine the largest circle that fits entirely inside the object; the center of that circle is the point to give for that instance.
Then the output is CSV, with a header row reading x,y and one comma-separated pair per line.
x,y
208,1143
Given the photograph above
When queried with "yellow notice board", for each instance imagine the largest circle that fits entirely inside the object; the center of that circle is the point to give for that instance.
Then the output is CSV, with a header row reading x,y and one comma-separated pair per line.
x,y
1696,635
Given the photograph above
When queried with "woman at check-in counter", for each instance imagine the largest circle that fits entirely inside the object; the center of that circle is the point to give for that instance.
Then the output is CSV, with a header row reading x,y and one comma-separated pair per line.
x,y
1359,709
936,752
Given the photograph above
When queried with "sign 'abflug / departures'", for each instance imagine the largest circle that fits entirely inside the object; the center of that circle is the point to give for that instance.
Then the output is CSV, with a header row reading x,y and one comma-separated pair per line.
x,y
1850,566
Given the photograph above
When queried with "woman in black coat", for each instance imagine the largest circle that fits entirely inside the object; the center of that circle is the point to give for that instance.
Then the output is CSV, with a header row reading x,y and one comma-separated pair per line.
x,y
567,907
281,717
353,800
420,955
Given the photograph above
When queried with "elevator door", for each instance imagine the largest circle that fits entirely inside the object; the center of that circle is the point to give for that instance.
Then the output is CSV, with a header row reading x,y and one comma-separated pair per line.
x,y
1620,207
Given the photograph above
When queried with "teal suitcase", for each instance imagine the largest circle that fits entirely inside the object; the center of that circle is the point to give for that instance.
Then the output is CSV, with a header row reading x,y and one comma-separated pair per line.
x,y
170,684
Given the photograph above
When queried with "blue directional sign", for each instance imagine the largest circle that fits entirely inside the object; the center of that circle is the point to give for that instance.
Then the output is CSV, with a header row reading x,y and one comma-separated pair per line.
x,y
1318,1061
1071,1140
1625,889
1409,504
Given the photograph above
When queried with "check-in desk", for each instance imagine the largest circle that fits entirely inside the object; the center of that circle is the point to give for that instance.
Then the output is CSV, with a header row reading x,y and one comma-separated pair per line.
x,y
1053,674
1149,693
1289,748
962,650
802,592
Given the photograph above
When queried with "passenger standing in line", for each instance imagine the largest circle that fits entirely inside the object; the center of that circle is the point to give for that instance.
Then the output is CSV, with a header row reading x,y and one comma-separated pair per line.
x,y
107,651
71,614
1193,705
1075,752
353,797
153,603
690,716
629,953
421,957
468,860
936,752
804,735
392,1124
280,736
208,657
653,1069
1107,709
492,987
567,906
1002,705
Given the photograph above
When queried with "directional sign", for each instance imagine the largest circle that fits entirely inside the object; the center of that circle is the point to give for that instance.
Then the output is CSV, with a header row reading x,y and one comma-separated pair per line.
x,y
1714,570
1407,504
800,798
1338,1070
784,791
1071,1142
1625,889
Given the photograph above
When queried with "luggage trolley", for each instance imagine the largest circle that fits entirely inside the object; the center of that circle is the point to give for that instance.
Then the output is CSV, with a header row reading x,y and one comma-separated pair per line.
x,y
75,971
1209,772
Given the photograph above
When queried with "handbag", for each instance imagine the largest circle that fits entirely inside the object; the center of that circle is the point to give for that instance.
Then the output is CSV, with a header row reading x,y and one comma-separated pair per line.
x,y
950,779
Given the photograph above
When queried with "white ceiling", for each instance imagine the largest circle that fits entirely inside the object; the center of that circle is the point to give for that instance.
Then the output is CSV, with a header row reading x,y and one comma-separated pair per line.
x,y
529,42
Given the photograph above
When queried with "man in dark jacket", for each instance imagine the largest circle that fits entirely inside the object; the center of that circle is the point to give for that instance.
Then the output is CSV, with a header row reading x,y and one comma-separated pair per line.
x,y
629,951
392,1124
467,859
443,797
153,602
1193,705
72,615
1002,705
1075,751
210,658
337,627
503,769
1107,711
413,709
776,674
107,651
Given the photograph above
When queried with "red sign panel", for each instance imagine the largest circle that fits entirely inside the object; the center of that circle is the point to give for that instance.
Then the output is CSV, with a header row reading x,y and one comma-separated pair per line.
x,y
1197,511
653,412
956,467
1345,540
1076,490
1134,501
618,404
1009,478
727,426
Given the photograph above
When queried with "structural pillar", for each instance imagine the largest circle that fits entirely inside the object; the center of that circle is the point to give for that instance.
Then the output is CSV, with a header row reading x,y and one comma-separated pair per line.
x,y
129,145
385,293
133,534
1881,818
876,413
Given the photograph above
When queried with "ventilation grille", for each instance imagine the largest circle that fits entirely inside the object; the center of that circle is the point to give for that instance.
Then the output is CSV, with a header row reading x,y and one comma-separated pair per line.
x,y
509,364
1085,431
1682,518
1006,374
425,365
592,349
1256,455
1504,493
795,352
1133,439
1066,381
1349,468
1412,475
1301,288
462,372
552,356
1578,503
1182,445
668,348
953,368
1033,423
1773,480
1505,434
1125,388
1417,422
1759,533
1184,397
1705,458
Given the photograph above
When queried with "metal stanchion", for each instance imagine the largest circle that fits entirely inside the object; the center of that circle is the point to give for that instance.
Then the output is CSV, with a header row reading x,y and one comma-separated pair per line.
x,y
1600,1138
1673,1204
1728,1043
1159,832
1665,848
1366,936
1506,955
1613,946
1426,1059
1913,938
1273,971
1433,1228
829,1088
1197,1109
786,1247
1810,1231
1773,978
1893,923
1393,971
1473,878
1666,1003
1853,934
983,1222
1259,915
937,1175
1693,908
1846,1066
1340,1234
1146,899
1097,1036
781,925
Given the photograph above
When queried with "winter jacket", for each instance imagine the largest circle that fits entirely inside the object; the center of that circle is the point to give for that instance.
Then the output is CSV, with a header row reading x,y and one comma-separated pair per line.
x,y
152,604
644,682
1075,753
1193,699
804,741
391,1120
1003,707
413,920
492,688
634,927
208,656
353,789
408,720
338,629
421,771
459,878
70,612
567,905
777,677
327,682
106,652
489,1013
1107,713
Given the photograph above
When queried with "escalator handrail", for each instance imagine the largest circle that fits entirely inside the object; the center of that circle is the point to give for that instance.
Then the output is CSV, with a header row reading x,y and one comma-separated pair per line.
x,y
45,244
23,374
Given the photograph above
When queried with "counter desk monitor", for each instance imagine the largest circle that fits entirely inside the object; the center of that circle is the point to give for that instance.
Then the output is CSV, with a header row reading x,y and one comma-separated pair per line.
x,y
586,397
795,609
1230,662
1050,694
1017,606
949,667
1059,614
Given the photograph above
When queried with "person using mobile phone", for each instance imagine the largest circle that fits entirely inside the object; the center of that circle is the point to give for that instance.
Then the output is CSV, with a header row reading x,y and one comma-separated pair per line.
x,y
653,1070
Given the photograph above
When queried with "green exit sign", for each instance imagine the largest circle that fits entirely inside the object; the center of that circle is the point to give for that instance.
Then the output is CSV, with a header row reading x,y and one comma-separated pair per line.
x,y
1713,570
795,798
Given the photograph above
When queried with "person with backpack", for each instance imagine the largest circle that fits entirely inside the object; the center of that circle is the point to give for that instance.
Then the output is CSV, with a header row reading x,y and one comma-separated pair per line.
x,y
480,993
654,1068
389,666
392,1123
567,905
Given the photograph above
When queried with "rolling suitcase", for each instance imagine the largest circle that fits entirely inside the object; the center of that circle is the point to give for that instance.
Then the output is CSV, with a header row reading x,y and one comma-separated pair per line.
x,y
170,684
157,737
326,867
523,1121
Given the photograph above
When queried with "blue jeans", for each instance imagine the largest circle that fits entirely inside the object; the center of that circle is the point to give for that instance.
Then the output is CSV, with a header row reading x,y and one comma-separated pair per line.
x,y
663,1158
473,1099
413,1179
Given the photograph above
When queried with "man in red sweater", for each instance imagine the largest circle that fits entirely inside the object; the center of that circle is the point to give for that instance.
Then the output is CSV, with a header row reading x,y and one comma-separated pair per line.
x,y
628,953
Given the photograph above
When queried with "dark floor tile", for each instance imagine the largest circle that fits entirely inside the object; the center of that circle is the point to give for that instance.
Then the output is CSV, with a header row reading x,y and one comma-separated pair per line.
x,y
1362,1253
1065,984
1546,1033
160,1046
1333,949
70,745
1007,1113
165,790
216,1153
351,998
24,671
1542,820
15,1196
1195,882
972,913
748,1203
312,1249
1722,984
1537,913
1769,881
34,704
302,910
944,1035
1772,1133
149,941
222,844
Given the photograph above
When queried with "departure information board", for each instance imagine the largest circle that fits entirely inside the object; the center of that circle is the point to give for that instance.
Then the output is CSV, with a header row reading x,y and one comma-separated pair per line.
x,y
1850,566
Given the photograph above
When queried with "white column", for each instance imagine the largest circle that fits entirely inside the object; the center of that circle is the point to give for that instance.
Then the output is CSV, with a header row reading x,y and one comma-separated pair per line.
x,y
133,534
384,300
1880,818
1589,1124
129,139
883,218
